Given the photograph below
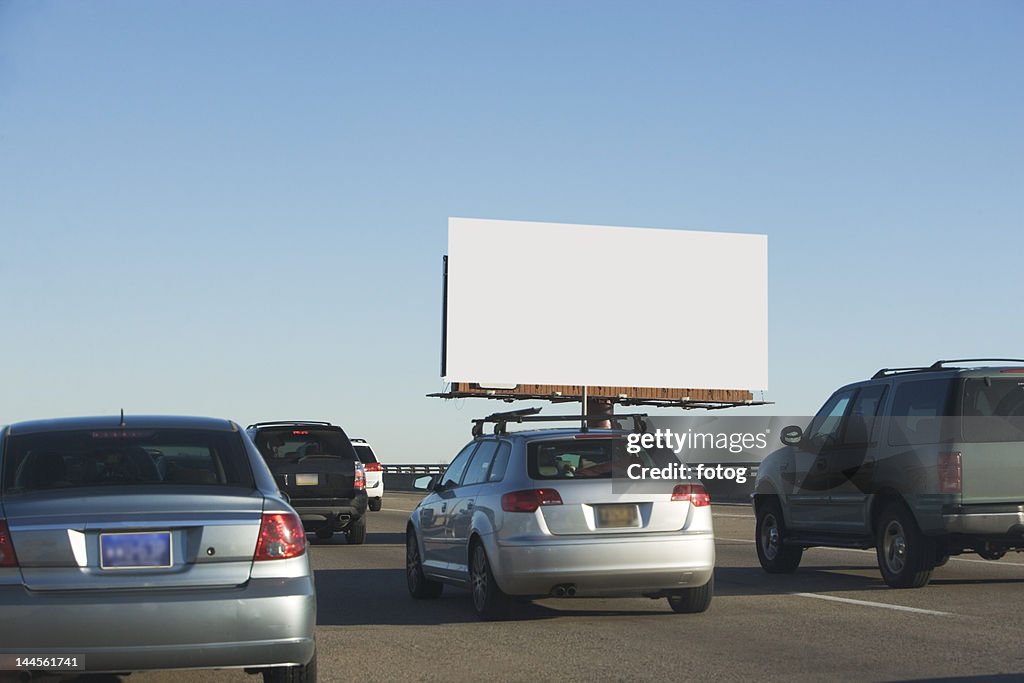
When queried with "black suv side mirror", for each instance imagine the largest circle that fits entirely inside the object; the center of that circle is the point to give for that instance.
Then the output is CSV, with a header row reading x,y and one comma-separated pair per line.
x,y
792,435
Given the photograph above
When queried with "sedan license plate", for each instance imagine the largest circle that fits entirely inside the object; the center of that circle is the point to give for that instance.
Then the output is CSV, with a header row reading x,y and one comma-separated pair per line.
x,y
307,479
136,550
614,516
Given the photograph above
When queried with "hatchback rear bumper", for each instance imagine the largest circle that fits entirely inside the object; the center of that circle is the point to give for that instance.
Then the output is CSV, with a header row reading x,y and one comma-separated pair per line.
x,y
619,565
267,622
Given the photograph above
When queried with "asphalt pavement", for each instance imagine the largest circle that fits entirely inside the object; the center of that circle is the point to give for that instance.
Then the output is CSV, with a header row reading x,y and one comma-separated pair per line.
x,y
834,619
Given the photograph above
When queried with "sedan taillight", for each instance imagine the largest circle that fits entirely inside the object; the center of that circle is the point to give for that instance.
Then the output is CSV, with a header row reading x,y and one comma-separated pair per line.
x,y
7,556
281,537
529,500
696,494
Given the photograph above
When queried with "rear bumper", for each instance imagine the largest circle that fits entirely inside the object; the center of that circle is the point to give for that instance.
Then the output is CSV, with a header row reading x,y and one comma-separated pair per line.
x,y
267,622
986,520
609,566
336,513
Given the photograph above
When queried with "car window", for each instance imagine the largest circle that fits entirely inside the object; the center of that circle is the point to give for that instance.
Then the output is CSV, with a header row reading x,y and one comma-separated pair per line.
x,y
75,459
595,458
480,465
364,453
918,408
993,409
292,444
860,424
453,475
500,462
827,422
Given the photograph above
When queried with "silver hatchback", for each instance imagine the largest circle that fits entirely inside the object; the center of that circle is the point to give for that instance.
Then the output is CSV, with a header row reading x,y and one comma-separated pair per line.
x,y
537,513
150,543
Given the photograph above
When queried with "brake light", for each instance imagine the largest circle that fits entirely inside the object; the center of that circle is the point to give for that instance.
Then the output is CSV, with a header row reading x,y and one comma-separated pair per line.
x,y
1012,370
360,481
7,556
951,472
695,494
374,467
281,537
529,500
300,432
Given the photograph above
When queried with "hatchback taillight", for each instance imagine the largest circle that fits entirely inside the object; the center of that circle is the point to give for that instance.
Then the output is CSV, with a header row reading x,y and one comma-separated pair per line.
x,y
951,477
696,494
529,500
374,467
360,480
7,556
281,537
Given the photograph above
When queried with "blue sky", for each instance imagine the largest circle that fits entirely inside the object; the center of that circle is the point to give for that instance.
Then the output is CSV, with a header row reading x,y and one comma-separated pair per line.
x,y
240,209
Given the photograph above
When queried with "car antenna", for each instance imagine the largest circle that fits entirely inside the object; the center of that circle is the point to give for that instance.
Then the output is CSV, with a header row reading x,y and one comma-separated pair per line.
x,y
123,425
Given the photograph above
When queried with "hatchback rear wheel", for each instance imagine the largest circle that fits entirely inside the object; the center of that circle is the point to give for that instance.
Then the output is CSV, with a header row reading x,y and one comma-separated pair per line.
x,y
292,674
489,601
693,600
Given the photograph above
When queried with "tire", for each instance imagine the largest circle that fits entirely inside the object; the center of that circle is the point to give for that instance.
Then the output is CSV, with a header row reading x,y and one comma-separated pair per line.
x,y
324,533
420,587
356,532
489,602
375,504
906,557
292,674
693,600
770,535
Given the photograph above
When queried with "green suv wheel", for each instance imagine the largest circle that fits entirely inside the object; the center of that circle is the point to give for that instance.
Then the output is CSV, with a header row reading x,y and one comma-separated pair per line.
x,y
770,534
906,556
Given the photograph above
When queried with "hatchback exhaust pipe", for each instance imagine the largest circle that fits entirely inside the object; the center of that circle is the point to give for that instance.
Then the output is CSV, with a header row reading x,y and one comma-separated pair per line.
x,y
564,590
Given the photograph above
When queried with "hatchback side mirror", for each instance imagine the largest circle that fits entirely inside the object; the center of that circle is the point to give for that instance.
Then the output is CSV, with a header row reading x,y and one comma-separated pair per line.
x,y
424,483
792,435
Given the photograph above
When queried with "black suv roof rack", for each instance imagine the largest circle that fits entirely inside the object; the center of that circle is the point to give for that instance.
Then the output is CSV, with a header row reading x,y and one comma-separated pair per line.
x,y
941,365
501,420
288,423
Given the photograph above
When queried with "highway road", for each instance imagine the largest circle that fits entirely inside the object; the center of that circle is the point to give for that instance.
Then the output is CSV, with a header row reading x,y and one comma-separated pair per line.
x,y
832,620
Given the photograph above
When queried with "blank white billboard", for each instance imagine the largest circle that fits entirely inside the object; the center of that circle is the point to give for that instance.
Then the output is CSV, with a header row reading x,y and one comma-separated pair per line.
x,y
551,303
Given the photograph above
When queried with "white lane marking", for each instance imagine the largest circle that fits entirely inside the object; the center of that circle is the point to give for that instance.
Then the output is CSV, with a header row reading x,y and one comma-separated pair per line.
x,y
991,563
868,603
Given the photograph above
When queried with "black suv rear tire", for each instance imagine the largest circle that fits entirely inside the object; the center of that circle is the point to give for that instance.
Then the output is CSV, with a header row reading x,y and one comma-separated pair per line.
x,y
770,533
356,532
906,556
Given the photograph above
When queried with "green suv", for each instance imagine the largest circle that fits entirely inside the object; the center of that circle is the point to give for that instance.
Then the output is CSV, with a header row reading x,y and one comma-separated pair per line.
x,y
919,463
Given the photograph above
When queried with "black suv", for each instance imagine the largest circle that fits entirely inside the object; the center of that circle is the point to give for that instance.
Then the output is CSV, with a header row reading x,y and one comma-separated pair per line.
x,y
315,464
919,463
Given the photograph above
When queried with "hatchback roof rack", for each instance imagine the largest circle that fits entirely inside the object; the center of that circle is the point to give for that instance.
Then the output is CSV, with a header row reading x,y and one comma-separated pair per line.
x,y
286,423
501,420
941,365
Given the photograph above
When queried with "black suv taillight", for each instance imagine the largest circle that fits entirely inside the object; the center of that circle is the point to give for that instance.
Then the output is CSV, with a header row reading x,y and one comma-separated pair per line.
x,y
7,556
281,537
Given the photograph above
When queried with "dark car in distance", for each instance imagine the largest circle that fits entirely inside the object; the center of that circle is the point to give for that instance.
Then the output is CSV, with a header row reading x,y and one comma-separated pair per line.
x,y
316,466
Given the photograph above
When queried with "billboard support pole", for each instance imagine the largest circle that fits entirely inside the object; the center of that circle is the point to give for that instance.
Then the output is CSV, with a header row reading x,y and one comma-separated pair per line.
x,y
583,410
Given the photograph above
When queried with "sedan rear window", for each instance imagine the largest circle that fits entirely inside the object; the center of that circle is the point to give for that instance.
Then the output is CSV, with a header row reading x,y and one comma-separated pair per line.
x,y
77,459
593,458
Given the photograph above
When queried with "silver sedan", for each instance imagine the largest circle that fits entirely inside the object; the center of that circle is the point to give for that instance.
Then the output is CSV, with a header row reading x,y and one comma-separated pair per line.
x,y
150,543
